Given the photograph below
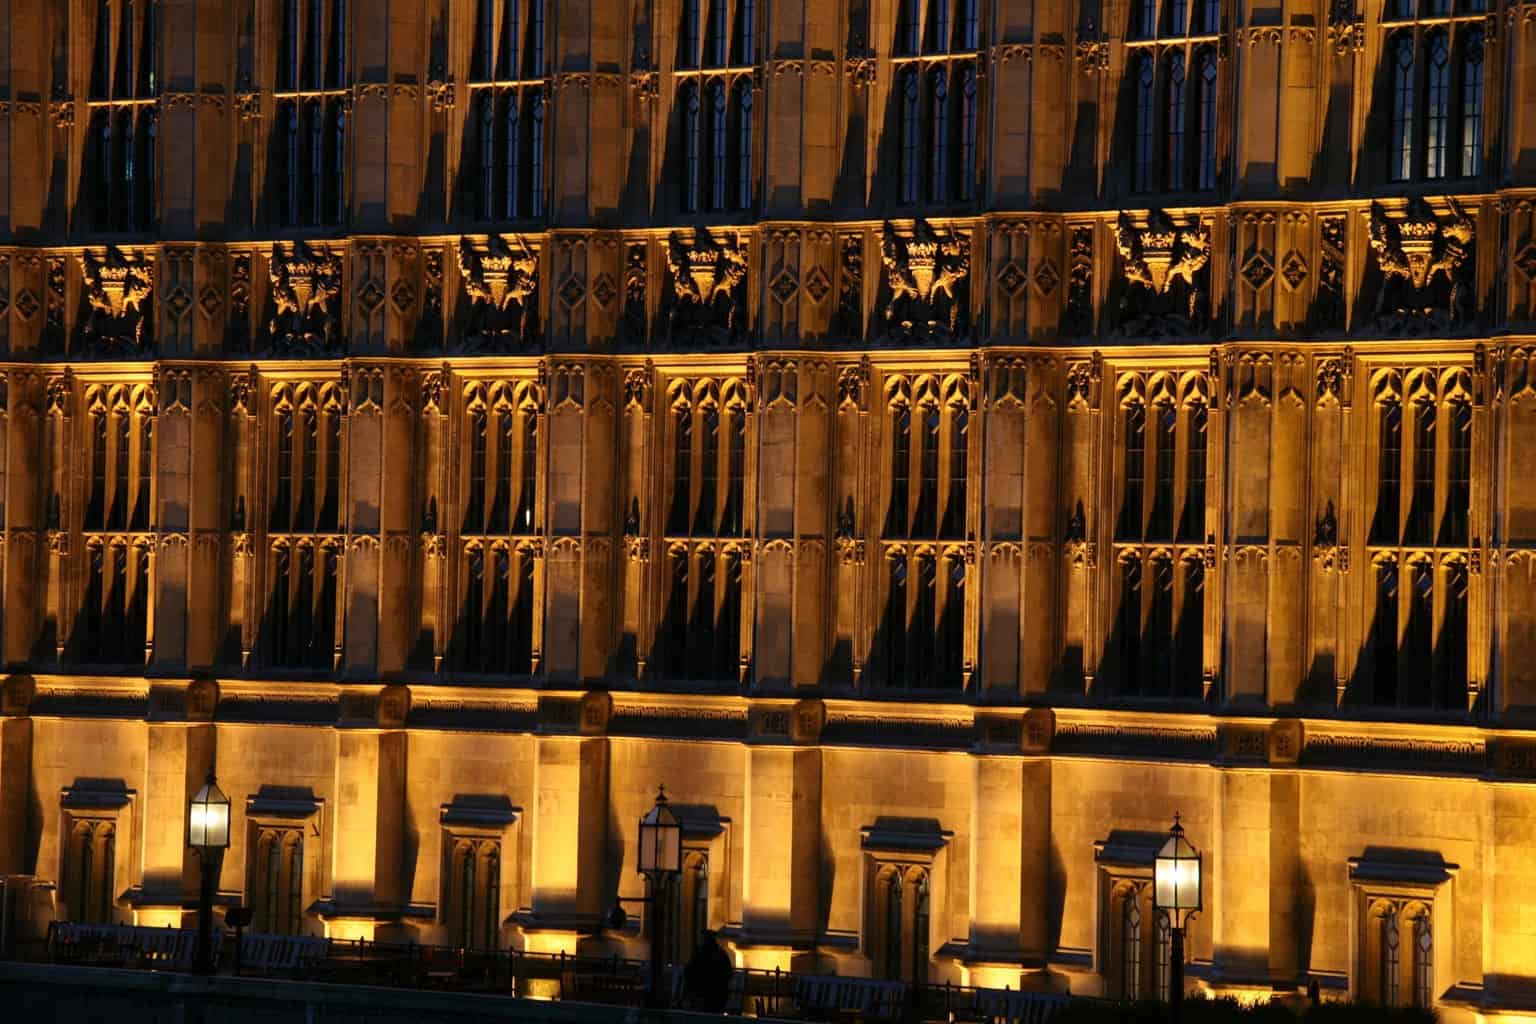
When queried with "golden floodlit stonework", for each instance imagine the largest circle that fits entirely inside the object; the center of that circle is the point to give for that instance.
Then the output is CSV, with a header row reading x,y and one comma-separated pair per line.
x,y
940,440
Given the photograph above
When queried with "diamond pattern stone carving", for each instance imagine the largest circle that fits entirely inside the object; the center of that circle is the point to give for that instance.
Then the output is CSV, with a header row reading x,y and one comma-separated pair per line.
x,y
209,302
1526,261
370,297
1294,269
1046,277
178,302
27,304
1258,271
784,285
603,290
817,284
571,292
403,296
1010,279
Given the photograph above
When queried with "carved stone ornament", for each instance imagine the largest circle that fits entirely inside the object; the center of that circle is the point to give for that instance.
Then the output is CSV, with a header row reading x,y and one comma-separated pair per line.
x,y
925,292
1426,268
501,279
117,289
305,312
1165,275
706,295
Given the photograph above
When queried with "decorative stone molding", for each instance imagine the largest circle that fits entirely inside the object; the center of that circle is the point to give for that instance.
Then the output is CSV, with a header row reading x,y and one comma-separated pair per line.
x,y
925,287
117,285
306,282
501,279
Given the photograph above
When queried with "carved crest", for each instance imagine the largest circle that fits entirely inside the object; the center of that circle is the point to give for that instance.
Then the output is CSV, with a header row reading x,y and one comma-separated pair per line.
x,y
925,282
501,278
707,297
1164,271
305,286
1425,264
117,287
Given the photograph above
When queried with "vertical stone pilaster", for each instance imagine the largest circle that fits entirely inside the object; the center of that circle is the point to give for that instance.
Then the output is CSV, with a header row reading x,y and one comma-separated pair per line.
x,y
580,425
371,762
179,752
366,445
569,839
15,773
782,863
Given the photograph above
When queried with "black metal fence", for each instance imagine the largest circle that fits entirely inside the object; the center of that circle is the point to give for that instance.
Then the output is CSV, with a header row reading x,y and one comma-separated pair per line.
x,y
612,980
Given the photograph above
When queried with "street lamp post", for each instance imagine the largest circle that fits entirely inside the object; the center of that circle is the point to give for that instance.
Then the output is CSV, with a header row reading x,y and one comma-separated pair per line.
x,y
660,861
1176,892
208,834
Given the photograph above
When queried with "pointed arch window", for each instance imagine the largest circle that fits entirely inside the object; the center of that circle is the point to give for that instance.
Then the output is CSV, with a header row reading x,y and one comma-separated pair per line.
x,y
682,471
1391,956
693,908
717,146
124,87
528,456
901,471
1433,70
674,628
474,911
902,920
504,138
744,144
501,500
1189,653
1174,134
1205,150
967,182
92,857
690,36
1472,104
736,471
714,72
1421,505
1193,520
924,523
479,457
934,104
277,890
938,178
957,471
1384,633
1438,106
895,625
1389,482
909,28
1134,472
1418,640
702,628
1165,418
1145,103
693,155
1130,945
911,136
709,472
891,889
1458,475
1129,626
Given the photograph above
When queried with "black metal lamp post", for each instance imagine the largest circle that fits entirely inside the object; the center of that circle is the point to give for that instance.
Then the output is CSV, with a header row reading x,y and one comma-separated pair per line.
x,y
660,861
1176,892
208,834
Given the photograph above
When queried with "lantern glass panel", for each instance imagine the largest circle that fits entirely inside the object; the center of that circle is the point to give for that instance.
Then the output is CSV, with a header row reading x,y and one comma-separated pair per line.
x,y
208,818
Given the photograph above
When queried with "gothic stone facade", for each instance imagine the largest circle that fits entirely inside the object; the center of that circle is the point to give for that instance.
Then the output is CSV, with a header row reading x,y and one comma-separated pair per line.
x,y
939,440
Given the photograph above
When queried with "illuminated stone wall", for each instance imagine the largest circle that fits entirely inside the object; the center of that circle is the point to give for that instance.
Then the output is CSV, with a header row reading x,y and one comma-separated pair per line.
x,y
974,537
